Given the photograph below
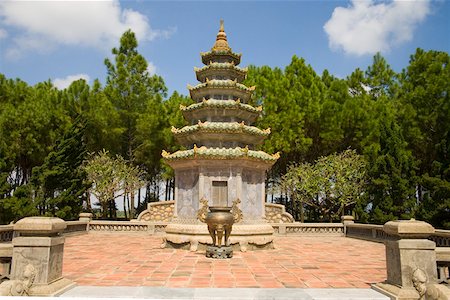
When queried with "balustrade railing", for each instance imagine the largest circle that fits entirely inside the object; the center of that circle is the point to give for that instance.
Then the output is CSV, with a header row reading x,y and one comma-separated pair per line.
x,y
375,233
309,229
6,233
369,232
441,238
76,227
131,226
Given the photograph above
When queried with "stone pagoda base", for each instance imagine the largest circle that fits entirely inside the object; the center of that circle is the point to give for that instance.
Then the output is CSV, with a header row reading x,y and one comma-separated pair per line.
x,y
195,236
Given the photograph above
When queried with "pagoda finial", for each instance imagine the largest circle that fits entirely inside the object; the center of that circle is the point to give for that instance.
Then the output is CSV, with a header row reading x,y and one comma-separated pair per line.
x,y
221,43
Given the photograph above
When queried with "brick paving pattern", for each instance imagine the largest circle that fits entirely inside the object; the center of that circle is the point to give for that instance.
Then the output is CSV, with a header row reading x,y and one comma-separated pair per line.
x,y
296,262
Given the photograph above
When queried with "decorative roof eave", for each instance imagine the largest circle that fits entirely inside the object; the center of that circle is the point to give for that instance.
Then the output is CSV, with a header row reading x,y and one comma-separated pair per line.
x,y
221,66
225,104
221,127
203,73
241,90
227,83
221,153
211,55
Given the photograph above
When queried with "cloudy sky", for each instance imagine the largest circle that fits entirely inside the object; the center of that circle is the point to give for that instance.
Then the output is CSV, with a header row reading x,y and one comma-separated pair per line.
x,y
64,41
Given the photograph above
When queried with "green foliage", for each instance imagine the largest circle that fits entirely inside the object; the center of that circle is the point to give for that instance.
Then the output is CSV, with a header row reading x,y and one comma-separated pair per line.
x,y
399,122
60,182
330,185
137,97
110,176
424,104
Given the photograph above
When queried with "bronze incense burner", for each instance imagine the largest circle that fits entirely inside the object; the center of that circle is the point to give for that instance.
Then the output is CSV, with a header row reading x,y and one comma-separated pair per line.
x,y
220,220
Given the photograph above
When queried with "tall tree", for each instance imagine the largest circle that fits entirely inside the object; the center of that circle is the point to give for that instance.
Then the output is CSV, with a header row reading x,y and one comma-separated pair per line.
x,y
60,182
137,96
424,105
132,90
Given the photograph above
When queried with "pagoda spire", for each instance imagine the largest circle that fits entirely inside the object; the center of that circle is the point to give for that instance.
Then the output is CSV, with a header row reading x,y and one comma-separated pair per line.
x,y
221,43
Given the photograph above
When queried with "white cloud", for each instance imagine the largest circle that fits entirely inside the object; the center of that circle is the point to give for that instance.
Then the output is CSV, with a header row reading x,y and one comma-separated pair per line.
x,y
3,33
367,27
151,68
62,83
96,24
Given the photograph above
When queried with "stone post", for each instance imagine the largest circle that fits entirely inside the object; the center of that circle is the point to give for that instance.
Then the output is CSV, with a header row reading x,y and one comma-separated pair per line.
x,y
38,256
347,220
410,259
85,216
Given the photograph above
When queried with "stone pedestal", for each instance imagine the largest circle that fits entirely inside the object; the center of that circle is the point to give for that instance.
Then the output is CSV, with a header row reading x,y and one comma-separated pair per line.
x,y
410,259
346,220
86,217
38,256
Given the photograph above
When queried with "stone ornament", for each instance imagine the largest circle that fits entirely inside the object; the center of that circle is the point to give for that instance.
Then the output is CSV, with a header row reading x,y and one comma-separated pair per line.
x,y
236,211
426,290
19,287
203,211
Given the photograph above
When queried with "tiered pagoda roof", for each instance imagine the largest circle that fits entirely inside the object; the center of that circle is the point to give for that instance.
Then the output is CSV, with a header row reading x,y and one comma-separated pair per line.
x,y
216,68
223,108
221,118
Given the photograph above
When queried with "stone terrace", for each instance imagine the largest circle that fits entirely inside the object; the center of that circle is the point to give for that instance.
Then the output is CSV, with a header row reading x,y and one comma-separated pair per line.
x,y
98,259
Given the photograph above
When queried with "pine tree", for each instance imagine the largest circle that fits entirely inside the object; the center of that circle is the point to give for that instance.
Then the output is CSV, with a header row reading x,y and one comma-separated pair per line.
x,y
61,183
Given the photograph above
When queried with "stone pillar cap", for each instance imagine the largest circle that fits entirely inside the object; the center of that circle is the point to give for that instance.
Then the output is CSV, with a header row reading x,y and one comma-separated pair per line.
x,y
347,218
85,214
40,226
409,228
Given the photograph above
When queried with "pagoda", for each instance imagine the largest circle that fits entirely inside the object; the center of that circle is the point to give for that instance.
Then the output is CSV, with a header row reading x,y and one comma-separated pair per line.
x,y
221,164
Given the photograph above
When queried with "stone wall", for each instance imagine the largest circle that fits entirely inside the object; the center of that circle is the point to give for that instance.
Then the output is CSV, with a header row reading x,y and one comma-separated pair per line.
x,y
161,211
276,213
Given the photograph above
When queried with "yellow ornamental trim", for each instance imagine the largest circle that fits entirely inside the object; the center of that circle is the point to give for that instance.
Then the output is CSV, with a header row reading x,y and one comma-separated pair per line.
x,y
165,154
221,153
267,131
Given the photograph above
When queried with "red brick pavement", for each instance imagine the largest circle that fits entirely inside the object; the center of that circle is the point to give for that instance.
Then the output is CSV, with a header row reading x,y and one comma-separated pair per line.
x,y
296,262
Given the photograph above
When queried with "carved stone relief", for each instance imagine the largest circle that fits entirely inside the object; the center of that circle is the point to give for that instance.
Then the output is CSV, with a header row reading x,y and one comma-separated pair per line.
x,y
19,287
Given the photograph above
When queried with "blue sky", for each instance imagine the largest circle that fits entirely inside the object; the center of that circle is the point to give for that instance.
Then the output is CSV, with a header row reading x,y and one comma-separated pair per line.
x,y
63,41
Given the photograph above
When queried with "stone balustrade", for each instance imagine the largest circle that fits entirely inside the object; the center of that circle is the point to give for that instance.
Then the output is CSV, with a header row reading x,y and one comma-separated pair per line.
x,y
276,213
37,259
127,227
6,233
76,227
309,229
161,211
375,233
411,263
441,238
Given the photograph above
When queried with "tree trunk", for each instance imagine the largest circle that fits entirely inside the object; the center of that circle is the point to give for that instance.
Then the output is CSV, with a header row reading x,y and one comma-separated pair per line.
x,y
105,209
139,197
132,205
302,213
88,201
124,205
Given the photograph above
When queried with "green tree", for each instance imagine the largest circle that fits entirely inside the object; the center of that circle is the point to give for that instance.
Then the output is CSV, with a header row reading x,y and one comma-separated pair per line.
x,y
137,96
60,182
334,183
101,118
424,109
132,91
105,175
174,117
